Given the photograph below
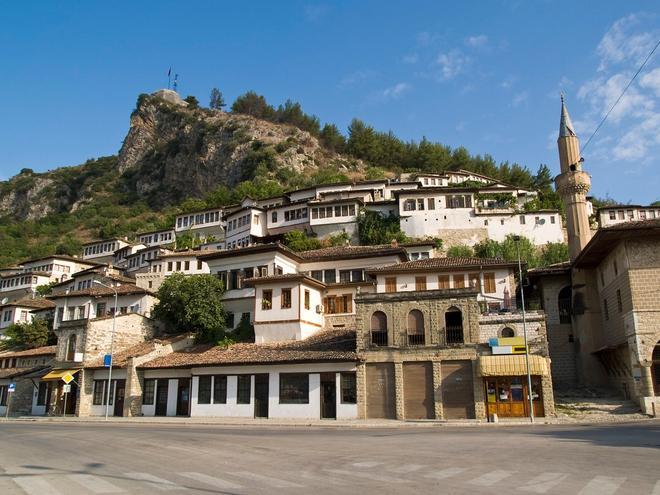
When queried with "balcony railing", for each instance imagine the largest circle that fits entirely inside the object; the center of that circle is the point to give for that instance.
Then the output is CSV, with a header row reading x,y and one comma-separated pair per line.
x,y
379,338
454,334
416,339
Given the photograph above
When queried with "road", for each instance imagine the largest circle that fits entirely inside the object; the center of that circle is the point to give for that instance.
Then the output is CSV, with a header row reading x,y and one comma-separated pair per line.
x,y
97,458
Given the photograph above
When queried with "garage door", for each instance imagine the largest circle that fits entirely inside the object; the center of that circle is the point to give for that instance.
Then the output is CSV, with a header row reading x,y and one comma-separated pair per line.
x,y
457,390
380,391
418,390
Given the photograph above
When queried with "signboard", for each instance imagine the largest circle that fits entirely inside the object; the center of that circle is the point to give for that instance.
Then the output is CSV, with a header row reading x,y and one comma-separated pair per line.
x,y
12,387
67,388
68,378
107,360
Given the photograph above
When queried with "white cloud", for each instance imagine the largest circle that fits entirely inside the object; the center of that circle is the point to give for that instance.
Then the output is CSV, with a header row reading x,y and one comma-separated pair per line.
x,y
451,64
520,98
477,41
622,44
355,78
651,81
508,82
396,91
411,58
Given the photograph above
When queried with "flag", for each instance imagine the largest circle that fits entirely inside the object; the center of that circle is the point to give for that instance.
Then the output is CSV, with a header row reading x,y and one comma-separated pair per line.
x,y
169,72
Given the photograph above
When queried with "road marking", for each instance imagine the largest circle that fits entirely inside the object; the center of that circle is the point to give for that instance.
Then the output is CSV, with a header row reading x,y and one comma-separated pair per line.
x,y
491,478
543,482
367,464
211,480
95,483
154,481
276,482
369,476
602,485
33,485
407,468
445,473
656,488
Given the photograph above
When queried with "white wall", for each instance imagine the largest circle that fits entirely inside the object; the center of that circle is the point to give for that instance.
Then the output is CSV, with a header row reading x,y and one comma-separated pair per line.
x,y
172,393
231,408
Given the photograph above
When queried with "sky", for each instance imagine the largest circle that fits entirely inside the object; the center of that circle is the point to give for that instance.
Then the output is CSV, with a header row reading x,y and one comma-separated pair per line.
x,y
484,75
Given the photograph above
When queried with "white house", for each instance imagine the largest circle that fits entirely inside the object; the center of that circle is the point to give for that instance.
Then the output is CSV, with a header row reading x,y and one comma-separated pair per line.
x,y
103,251
23,311
168,262
157,237
140,260
245,225
203,224
613,215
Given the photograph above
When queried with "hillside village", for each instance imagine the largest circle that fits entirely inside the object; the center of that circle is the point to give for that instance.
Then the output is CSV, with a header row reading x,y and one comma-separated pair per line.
x,y
396,330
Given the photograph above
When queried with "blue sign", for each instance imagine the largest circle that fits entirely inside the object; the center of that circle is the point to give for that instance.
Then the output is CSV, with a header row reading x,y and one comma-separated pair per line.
x,y
107,360
12,387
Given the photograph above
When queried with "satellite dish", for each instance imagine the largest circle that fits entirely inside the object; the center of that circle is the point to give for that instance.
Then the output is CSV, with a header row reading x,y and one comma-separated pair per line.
x,y
5,300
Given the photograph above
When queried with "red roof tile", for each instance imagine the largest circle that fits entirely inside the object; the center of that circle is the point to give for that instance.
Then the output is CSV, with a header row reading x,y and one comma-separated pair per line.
x,y
443,264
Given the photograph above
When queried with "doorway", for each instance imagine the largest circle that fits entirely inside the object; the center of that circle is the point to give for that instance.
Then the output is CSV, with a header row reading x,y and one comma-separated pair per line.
x,y
328,396
380,391
261,396
418,390
183,397
120,388
457,390
161,397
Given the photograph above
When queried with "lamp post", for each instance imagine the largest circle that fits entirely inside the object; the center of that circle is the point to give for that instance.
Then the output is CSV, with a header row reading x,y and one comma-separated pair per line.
x,y
516,238
112,343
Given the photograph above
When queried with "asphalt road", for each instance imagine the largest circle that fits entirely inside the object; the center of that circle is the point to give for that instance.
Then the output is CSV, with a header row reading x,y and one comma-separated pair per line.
x,y
92,458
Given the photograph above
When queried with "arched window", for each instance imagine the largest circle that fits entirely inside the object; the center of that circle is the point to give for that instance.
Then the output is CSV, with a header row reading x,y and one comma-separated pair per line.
x,y
71,348
379,328
507,332
415,327
454,326
564,305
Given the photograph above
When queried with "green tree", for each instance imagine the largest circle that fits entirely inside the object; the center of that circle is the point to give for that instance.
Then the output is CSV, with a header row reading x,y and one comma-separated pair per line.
x,y
460,252
244,331
292,113
192,304
36,333
373,229
553,252
253,104
217,101
332,139
192,101
297,240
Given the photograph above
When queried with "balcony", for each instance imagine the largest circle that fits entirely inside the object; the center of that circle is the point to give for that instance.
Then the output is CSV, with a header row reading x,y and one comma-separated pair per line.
x,y
454,334
379,339
416,339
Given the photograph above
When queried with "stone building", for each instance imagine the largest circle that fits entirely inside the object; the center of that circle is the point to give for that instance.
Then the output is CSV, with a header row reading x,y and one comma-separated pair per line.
x,y
24,370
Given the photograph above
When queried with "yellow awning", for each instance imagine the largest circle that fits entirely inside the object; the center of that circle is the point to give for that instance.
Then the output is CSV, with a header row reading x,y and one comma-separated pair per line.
x,y
58,374
512,365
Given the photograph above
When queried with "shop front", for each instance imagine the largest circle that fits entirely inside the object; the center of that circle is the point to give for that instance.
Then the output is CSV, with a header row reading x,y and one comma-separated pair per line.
x,y
506,385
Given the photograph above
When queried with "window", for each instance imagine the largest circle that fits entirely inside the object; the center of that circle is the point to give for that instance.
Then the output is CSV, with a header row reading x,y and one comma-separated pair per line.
x,y
178,266
606,311
307,298
415,327
612,215
475,281
409,205
489,283
620,215
148,392
204,389
338,304
443,281
186,266
220,389
390,284
454,326
344,276
420,204
243,389
294,388
267,299
379,328
273,217
99,392
420,283
71,348
169,266
100,309
507,332
522,219
431,203
552,219
348,388
356,276
330,276
317,275
3,395
616,268
459,281
42,393
286,299
619,303
229,320
81,312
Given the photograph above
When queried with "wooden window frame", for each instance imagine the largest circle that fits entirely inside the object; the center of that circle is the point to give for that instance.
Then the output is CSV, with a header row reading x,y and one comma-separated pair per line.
x,y
420,283
286,301
390,285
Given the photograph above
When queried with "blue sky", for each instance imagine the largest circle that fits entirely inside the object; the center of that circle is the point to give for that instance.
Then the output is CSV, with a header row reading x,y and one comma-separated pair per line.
x,y
485,75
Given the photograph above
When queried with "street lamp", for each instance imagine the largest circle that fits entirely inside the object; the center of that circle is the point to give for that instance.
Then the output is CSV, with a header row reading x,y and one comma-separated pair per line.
x,y
516,238
112,343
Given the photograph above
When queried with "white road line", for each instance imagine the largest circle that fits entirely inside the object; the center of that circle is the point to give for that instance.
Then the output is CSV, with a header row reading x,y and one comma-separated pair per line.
x,y
656,488
491,478
368,476
602,485
36,485
367,464
276,482
211,480
407,468
543,482
95,484
445,473
154,481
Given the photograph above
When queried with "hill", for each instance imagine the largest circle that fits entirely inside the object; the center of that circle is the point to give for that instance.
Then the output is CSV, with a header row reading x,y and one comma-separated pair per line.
x,y
178,156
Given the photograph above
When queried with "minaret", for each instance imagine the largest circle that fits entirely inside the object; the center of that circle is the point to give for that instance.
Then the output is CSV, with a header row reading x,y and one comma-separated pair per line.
x,y
572,184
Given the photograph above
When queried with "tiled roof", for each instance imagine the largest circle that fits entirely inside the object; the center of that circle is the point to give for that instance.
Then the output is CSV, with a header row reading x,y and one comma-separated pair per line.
x,y
9,372
37,351
443,263
36,303
328,345
184,254
555,268
99,291
120,358
347,252
285,277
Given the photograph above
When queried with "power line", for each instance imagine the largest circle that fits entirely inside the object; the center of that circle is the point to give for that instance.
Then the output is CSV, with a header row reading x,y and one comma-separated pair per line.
x,y
621,95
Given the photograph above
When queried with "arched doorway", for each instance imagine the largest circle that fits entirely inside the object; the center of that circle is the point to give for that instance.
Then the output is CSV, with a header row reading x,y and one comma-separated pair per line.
x,y
379,328
564,305
415,327
454,326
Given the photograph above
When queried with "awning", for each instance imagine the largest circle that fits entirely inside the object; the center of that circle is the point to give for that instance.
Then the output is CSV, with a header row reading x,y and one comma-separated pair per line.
x,y
58,374
512,365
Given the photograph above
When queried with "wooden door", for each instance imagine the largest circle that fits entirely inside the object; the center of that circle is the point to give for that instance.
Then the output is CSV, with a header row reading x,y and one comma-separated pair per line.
x,y
261,396
381,391
120,389
183,397
161,396
418,390
457,390
328,396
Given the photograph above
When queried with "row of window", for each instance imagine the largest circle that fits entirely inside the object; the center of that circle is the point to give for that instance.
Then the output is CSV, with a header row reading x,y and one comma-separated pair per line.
x,y
523,220
333,211
630,214
18,281
345,276
415,331
178,266
159,237
107,247
457,282
141,260
244,242
233,279
49,268
99,395
198,219
239,222
7,314
290,215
